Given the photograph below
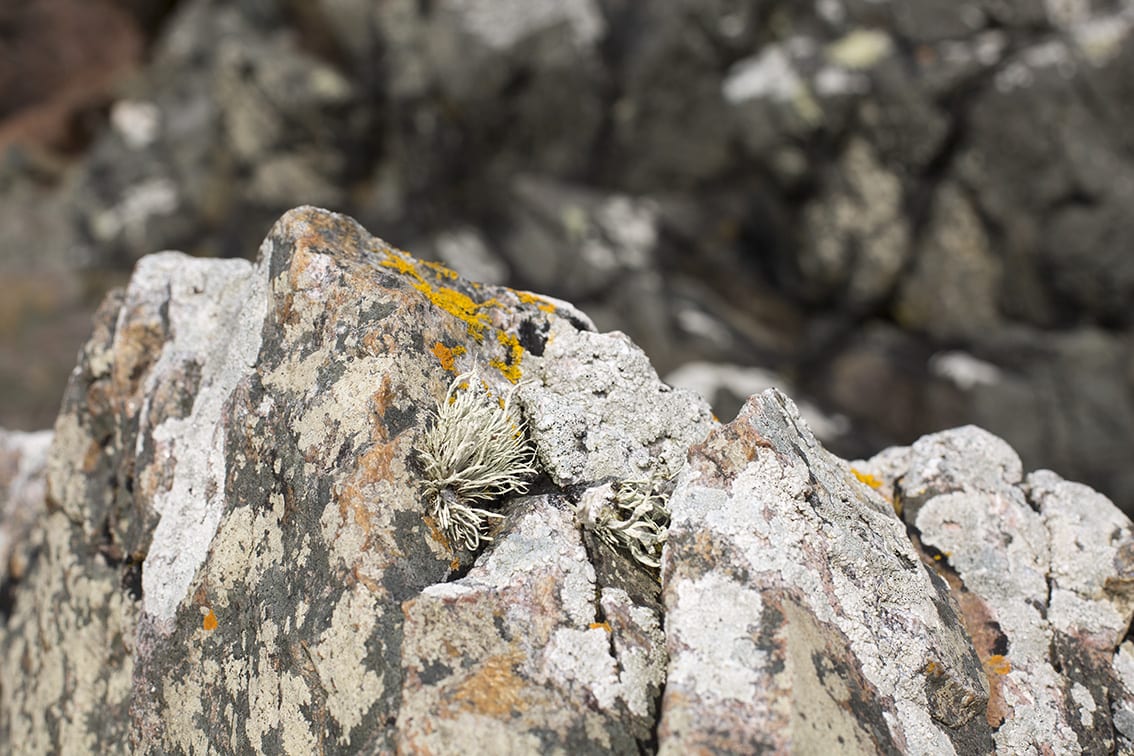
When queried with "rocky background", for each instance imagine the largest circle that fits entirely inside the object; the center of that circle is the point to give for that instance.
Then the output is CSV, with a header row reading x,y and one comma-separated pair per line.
x,y
912,215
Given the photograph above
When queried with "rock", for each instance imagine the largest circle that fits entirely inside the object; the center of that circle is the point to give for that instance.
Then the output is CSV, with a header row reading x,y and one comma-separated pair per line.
x,y
23,457
518,656
255,424
798,615
234,550
1041,569
1059,399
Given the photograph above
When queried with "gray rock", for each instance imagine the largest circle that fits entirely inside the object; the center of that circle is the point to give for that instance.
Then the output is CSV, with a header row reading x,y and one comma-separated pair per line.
x,y
794,598
1041,569
233,430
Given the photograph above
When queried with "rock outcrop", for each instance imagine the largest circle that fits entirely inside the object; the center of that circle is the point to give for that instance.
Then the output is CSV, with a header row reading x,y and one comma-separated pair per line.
x,y
233,553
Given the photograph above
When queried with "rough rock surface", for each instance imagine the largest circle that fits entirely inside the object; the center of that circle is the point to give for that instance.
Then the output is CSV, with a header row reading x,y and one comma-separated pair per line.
x,y
234,553
866,198
1042,569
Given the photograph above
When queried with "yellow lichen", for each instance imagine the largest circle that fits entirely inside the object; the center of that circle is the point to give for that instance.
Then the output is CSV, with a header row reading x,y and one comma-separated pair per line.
x,y
877,484
441,270
600,626
998,664
447,355
510,367
867,478
527,297
458,304
473,314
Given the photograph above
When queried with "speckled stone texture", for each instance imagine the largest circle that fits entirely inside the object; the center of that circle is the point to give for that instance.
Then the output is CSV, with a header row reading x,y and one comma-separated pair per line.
x,y
1042,569
798,615
232,553
235,520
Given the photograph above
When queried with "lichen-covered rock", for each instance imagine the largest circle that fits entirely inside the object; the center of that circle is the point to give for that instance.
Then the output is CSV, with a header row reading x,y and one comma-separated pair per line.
x,y
798,616
1042,570
525,655
236,501
235,552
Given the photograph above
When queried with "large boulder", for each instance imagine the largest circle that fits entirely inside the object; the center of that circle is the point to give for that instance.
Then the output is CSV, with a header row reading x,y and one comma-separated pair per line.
x,y
239,551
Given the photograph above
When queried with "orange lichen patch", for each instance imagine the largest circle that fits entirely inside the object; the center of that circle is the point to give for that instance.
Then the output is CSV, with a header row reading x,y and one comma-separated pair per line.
x,y
998,664
210,621
495,689
600,626
461,306
933,669
867,478
510,367
528,298
447,355
455,564
436,533
878,484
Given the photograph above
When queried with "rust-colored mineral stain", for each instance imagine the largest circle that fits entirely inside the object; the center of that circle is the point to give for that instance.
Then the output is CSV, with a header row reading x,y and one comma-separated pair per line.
x,y
210,621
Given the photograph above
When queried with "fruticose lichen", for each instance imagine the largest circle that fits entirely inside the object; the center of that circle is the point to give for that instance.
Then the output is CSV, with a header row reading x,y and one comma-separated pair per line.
x,y
631,516
476,451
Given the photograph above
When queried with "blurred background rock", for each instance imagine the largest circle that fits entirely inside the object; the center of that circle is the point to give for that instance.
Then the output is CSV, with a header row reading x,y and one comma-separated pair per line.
x,y
910,215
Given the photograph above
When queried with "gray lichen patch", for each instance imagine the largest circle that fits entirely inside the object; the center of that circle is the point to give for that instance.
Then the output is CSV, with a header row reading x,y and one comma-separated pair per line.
x,y
67,643
597,410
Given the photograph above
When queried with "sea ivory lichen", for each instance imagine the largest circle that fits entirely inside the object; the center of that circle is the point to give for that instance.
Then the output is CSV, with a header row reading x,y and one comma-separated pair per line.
x,y
475,452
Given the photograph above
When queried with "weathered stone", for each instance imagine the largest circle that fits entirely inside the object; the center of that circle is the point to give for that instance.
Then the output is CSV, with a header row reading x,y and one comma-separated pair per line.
x,y
798,615
517,656
1041,569
234,553
233,430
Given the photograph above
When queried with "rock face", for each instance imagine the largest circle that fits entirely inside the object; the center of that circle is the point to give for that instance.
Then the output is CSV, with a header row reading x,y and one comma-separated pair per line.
x,y
234,553
915,213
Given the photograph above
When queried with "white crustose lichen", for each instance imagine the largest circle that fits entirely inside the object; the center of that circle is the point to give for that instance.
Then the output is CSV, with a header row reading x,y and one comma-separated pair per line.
x,y
631,516
475,452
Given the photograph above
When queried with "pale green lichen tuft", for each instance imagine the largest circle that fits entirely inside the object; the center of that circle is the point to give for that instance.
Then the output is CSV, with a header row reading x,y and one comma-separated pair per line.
x,y
631,516
475,452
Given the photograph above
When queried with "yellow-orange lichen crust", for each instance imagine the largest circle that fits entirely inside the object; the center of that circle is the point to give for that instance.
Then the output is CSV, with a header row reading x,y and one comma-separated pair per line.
x,y
434,281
